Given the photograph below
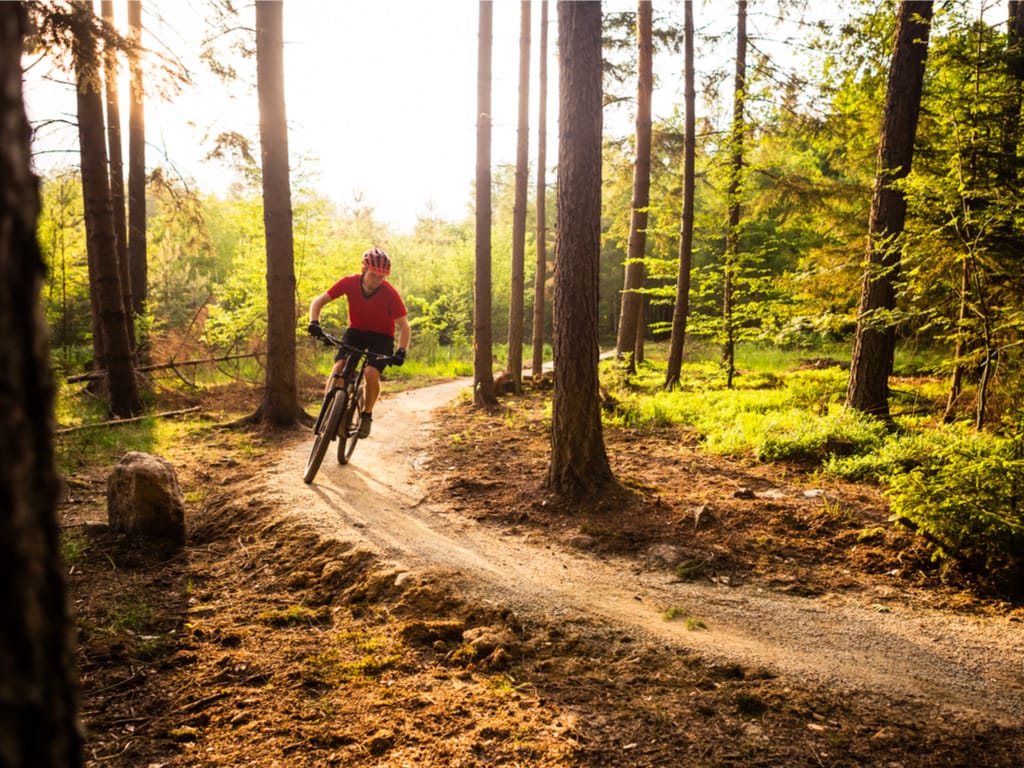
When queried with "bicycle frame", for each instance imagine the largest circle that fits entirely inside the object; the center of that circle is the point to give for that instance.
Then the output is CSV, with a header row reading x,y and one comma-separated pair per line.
x,y
340,413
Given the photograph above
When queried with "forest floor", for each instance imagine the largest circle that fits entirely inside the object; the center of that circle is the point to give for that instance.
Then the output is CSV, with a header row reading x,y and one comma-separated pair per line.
x,y
430,604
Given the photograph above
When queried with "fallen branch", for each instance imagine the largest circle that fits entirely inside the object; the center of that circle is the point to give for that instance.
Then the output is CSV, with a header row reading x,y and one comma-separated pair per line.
x,y
119,422
93,375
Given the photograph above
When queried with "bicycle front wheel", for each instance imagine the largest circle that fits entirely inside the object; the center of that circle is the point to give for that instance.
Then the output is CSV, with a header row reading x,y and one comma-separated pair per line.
x,y
348,435
331,413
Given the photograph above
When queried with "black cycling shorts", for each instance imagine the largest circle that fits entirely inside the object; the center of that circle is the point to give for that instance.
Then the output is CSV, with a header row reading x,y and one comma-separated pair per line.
x,y
377,343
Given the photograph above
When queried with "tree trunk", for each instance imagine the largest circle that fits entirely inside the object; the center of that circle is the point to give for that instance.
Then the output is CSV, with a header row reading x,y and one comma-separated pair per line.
x,y
483,364
956,384
732,246
117,173
1009,170
540,278
875,341
39,727
579,463
681,310
515,308
99,221
137,258
631,306
280,404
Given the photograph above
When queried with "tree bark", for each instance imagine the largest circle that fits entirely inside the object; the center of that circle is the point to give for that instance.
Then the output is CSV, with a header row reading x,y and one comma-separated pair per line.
x,y
483,364
137,258
579,463
99,221
38,698
540,277
516,311
733,194
681,310
1009,170
956,383
280,404
117,199
875,340
629,342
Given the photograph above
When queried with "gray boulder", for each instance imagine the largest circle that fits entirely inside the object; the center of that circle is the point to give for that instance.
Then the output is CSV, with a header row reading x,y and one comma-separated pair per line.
x,y
144,498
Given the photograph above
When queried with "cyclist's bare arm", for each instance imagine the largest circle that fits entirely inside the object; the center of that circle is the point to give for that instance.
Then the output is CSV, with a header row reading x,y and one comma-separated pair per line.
x,y
404,332
318,304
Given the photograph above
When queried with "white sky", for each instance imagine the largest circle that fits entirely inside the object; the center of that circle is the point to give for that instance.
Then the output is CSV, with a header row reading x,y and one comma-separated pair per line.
x,y
382,93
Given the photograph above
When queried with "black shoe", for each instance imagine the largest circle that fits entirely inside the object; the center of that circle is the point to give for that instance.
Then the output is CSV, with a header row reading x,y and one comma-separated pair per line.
x,y
365,423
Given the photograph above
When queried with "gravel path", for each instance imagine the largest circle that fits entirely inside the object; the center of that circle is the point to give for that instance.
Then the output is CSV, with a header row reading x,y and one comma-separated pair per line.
x,y
966,666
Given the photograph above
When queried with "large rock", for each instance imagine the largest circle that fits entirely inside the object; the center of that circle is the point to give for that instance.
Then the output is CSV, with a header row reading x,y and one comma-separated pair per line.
x,y
144,498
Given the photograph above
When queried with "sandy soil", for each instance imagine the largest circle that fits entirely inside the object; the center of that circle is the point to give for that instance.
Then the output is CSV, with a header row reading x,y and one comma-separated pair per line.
x,y
971,666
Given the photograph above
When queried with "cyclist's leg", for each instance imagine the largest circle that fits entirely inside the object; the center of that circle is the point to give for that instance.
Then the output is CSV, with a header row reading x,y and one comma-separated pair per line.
x,y
378,344
372,378
339,365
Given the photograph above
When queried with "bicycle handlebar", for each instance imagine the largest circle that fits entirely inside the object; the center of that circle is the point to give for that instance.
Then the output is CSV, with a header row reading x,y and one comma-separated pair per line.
x,y
334,341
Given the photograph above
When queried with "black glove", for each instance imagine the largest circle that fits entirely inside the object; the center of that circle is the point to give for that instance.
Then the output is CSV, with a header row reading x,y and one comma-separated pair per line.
x,y
314,329
399,356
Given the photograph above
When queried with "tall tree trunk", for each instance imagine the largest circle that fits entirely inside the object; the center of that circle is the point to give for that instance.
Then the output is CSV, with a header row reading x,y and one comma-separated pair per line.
x,y
631,308
681,310
732,245
280,405
39,726
1009,170
137,258
99,221
117,200
956,384
540,278
579,463
875,341
483,365
515,308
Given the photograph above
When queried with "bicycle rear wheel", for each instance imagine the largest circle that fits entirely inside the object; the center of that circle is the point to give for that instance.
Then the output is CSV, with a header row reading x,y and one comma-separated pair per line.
x,y
349,434
333,408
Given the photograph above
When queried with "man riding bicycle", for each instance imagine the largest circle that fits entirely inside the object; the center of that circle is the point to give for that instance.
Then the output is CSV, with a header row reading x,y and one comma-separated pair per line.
x,y
375,310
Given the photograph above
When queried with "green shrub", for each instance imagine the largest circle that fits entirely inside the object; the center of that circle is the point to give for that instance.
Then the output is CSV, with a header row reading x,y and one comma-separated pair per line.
x,y
966,499
795,435
896,453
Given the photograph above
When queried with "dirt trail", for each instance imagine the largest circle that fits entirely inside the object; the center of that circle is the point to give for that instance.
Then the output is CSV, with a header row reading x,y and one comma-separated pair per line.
x,y
967,666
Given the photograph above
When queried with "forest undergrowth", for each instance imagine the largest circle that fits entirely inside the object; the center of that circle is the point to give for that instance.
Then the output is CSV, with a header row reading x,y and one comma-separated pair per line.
x,y
263,643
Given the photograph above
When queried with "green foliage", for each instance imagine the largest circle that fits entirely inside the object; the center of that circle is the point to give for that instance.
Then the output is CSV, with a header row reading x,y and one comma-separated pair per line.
x,y
894,454
795,416
61,234
73,547
791,435
183,264
967,498
103,446
961,489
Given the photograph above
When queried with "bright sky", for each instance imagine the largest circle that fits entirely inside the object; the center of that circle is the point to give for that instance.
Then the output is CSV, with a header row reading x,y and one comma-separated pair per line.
x,y
380,96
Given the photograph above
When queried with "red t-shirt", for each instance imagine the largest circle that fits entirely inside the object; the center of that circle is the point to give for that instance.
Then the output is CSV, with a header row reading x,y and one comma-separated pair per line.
x,y
377,313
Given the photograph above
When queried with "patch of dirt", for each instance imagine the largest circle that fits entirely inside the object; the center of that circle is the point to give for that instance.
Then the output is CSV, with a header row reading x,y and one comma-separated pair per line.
x,y
431,605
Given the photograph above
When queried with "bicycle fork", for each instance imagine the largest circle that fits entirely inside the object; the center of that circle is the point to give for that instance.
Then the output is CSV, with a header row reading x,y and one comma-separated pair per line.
x,y
334,391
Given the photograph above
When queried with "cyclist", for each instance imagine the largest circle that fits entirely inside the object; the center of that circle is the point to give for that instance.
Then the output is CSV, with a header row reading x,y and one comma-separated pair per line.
x,y
375,310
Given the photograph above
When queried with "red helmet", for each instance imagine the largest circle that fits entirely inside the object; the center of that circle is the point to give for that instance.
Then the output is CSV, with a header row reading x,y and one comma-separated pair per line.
x,y
376,261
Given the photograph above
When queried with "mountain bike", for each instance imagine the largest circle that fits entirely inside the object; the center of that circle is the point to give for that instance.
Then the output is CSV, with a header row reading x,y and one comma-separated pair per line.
x,y
342,408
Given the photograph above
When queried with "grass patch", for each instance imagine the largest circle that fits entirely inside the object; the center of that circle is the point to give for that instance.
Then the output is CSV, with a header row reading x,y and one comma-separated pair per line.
x,y
130,615
355,656
955,487
74,546
295,615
